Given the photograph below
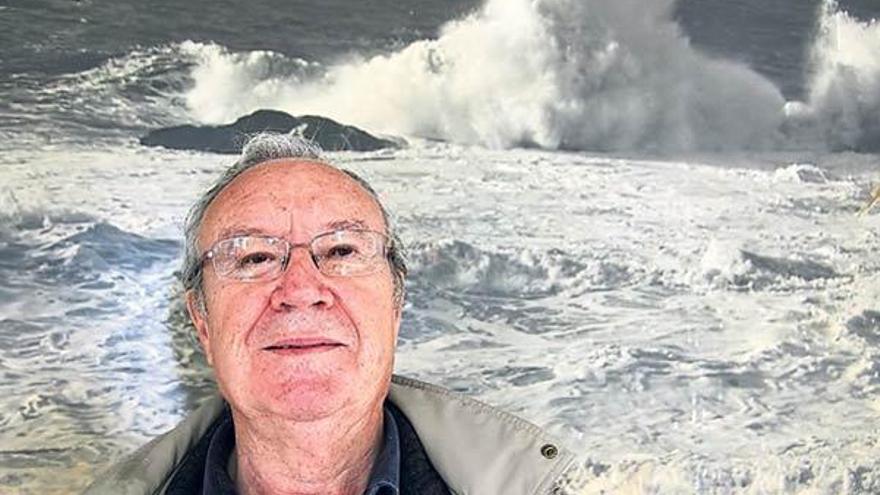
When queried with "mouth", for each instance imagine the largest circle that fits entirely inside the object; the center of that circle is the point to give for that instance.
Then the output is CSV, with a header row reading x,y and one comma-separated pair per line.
x,y
303,346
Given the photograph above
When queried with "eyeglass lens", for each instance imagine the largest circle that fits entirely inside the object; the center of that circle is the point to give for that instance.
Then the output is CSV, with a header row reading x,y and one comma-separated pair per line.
x,y
338,253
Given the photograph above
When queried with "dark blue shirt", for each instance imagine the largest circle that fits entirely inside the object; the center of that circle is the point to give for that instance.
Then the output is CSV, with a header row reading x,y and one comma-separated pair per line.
x,y
384,478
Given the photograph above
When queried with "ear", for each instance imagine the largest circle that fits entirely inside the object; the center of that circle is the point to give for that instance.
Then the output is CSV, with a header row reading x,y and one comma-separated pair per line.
x,y
398,316
195,309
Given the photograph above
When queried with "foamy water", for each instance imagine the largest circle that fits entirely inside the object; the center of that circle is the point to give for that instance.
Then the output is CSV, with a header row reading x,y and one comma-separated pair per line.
x,y
686,327
701,320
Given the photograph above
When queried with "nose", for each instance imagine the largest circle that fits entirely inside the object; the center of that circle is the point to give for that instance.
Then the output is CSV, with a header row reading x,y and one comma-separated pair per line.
x,y
301,286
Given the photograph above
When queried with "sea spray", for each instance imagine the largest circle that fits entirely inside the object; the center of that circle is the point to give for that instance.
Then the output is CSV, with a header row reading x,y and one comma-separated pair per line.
x,y
554,74
844,88
563,74
229,85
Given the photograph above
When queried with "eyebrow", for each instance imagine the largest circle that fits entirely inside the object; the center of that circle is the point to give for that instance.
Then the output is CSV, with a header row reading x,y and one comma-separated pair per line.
x,y
239,231
347,224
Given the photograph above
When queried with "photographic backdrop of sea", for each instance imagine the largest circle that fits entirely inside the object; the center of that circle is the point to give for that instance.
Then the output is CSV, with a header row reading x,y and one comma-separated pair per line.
x,y
635,223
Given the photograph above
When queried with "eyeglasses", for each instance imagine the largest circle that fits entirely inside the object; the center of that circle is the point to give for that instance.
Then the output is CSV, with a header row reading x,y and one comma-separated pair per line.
x,y
339,253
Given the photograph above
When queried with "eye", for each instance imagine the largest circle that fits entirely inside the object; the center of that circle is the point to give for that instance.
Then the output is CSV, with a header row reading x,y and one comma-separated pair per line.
x,y
341,251
255,259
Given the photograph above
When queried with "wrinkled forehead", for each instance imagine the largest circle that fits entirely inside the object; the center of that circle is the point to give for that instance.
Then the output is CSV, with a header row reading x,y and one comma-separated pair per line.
x,y
290,197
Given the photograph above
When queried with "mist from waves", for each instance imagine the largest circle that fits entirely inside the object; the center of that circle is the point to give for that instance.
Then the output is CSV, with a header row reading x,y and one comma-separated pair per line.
x,y
554,74
564,74
843,104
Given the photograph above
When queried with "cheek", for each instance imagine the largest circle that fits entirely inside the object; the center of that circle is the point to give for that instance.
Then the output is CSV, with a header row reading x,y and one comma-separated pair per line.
x,y
233,310
372,311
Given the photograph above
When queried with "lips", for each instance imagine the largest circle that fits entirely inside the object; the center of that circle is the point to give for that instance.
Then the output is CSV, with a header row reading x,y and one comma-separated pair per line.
x,y
303,345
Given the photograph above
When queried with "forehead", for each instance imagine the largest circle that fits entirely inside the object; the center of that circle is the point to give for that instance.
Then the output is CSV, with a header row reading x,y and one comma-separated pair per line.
x,y
287,196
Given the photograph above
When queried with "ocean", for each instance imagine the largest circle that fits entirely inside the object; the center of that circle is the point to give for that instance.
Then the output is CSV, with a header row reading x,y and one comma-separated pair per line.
x,y
635,223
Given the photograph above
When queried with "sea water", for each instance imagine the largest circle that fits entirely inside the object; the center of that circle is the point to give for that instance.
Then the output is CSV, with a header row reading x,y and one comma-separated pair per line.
x,y
633,223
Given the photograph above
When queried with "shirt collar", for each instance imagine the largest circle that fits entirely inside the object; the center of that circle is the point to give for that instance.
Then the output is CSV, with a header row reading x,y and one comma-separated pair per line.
x,y
385,476
217,480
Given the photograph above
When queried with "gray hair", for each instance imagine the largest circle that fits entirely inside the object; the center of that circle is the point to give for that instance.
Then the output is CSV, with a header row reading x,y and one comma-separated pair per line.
x,y
259,149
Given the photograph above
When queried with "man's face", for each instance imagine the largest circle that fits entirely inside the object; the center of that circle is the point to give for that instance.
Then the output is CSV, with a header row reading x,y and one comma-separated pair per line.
x,y
303,345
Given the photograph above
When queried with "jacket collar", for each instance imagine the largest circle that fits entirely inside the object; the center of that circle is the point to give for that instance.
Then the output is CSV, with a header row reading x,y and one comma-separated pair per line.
x,y
476,448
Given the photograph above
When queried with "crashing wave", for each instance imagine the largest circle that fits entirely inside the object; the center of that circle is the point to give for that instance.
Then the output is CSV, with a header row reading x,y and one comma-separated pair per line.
x,y
460,266
726,265
565,74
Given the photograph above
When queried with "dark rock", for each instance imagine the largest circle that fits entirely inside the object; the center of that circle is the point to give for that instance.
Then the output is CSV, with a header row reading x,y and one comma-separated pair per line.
x,y
866,326
327,133
804,269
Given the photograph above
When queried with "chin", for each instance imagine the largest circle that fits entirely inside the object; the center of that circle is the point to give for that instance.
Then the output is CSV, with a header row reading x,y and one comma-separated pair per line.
x,y
306,398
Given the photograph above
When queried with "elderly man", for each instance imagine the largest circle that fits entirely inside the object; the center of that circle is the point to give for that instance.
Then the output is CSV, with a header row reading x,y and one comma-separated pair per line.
x,y
294,281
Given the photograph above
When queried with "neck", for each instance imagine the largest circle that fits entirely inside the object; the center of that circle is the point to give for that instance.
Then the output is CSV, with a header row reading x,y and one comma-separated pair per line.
x,y
332,455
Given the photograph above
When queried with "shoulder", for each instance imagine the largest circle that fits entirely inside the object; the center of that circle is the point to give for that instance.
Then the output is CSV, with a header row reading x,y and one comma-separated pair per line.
x,y
478,448
146,470
475,447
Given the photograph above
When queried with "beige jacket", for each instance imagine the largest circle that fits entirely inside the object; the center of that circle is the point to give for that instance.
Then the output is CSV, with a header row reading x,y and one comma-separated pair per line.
x,y
477,449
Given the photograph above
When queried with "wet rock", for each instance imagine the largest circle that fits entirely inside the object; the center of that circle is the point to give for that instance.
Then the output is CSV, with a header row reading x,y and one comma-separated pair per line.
x,y
866,326
804,269
327,133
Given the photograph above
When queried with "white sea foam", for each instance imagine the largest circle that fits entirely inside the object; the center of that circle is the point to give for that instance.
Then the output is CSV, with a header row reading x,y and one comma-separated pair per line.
x,y
689,327
802,172
229,85
721,264
844,90
564,74
555,73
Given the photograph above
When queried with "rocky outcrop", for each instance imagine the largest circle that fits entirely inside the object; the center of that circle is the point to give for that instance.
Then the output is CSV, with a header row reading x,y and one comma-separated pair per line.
x,y
327,133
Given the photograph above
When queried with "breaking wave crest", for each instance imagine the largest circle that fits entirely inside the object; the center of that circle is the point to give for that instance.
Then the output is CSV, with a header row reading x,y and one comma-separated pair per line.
x,y
458,267
554,74
154,86
843,107
229,85
138,89
565,74
461,267
727,266
66,249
